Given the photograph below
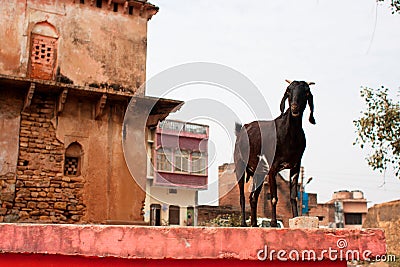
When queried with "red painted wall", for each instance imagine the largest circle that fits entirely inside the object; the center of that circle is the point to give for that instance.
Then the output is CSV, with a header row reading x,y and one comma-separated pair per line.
x,y
191,143
40,260
71,242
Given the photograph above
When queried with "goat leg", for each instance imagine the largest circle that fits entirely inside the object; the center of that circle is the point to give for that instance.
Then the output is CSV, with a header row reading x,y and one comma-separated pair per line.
x,y
274,197
294,177
257,187
242,200
253,212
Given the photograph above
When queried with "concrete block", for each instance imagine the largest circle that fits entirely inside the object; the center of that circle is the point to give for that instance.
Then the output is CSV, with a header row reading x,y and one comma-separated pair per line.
x,y
304,222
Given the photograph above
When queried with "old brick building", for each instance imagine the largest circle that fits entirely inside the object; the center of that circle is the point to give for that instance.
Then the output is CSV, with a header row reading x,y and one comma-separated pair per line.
x,y
68,70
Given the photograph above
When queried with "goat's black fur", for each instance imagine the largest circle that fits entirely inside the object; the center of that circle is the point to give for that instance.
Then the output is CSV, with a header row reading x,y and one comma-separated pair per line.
x,y
264,148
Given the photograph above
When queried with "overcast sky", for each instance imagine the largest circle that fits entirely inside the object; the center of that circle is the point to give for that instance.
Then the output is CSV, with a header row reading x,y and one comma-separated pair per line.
x,y
340,45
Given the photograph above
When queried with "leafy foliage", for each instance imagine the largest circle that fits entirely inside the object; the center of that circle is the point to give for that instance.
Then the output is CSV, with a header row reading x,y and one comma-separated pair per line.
x,y
395,5
379,127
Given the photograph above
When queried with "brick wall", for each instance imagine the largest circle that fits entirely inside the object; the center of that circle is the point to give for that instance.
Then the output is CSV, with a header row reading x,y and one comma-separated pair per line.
x,y
7,193
228,189
324,212
10,106
42,193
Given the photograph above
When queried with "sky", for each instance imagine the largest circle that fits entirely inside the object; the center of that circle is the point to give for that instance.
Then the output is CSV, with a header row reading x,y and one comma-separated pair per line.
x,y
340,45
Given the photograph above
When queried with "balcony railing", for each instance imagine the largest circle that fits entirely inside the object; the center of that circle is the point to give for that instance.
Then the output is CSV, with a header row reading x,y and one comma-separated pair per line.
x,y
178,126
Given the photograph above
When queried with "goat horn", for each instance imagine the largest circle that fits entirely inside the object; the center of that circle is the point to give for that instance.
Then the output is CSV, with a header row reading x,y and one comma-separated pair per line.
x,y
288,81
311,83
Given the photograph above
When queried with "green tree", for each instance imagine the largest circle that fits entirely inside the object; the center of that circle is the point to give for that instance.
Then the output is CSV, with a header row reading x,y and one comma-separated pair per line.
x,y
395,5
379,128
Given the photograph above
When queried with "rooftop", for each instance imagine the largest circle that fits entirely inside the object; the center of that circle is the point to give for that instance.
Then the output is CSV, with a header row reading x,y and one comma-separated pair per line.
x,y
161,107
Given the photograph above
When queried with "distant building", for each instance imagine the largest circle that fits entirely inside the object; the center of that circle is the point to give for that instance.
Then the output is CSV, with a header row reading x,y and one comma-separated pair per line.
x,y
324,211
228,189
346,209
177,170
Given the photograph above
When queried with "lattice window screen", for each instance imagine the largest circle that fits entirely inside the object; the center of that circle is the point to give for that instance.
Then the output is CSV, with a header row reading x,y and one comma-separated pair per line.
x,y
43,56
71,166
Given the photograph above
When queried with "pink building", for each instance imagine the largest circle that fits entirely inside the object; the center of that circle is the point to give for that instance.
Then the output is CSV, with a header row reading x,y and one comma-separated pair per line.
x,y
177,170
181,155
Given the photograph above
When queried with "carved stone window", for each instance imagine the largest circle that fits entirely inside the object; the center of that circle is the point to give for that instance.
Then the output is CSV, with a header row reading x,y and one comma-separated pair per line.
x,y
73,160
43,52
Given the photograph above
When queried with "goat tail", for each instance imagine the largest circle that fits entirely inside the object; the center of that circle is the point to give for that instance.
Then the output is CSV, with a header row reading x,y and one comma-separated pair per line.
x,y
238,127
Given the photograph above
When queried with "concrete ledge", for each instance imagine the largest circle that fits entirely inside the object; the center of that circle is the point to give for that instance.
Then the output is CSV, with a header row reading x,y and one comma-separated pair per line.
x,y
154,243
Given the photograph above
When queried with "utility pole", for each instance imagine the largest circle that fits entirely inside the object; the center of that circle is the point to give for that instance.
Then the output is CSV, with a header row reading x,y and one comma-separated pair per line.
x,y
301,189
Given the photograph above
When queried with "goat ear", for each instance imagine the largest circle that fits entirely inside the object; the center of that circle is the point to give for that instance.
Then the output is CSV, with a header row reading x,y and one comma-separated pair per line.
x,y
311,119
285,96
310,100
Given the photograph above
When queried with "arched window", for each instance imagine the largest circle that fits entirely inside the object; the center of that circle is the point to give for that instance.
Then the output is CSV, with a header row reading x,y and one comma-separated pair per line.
x,y
43,51
73,160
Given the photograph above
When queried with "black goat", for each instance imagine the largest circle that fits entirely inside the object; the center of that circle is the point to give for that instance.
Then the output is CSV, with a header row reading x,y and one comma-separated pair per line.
x,y
267,147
